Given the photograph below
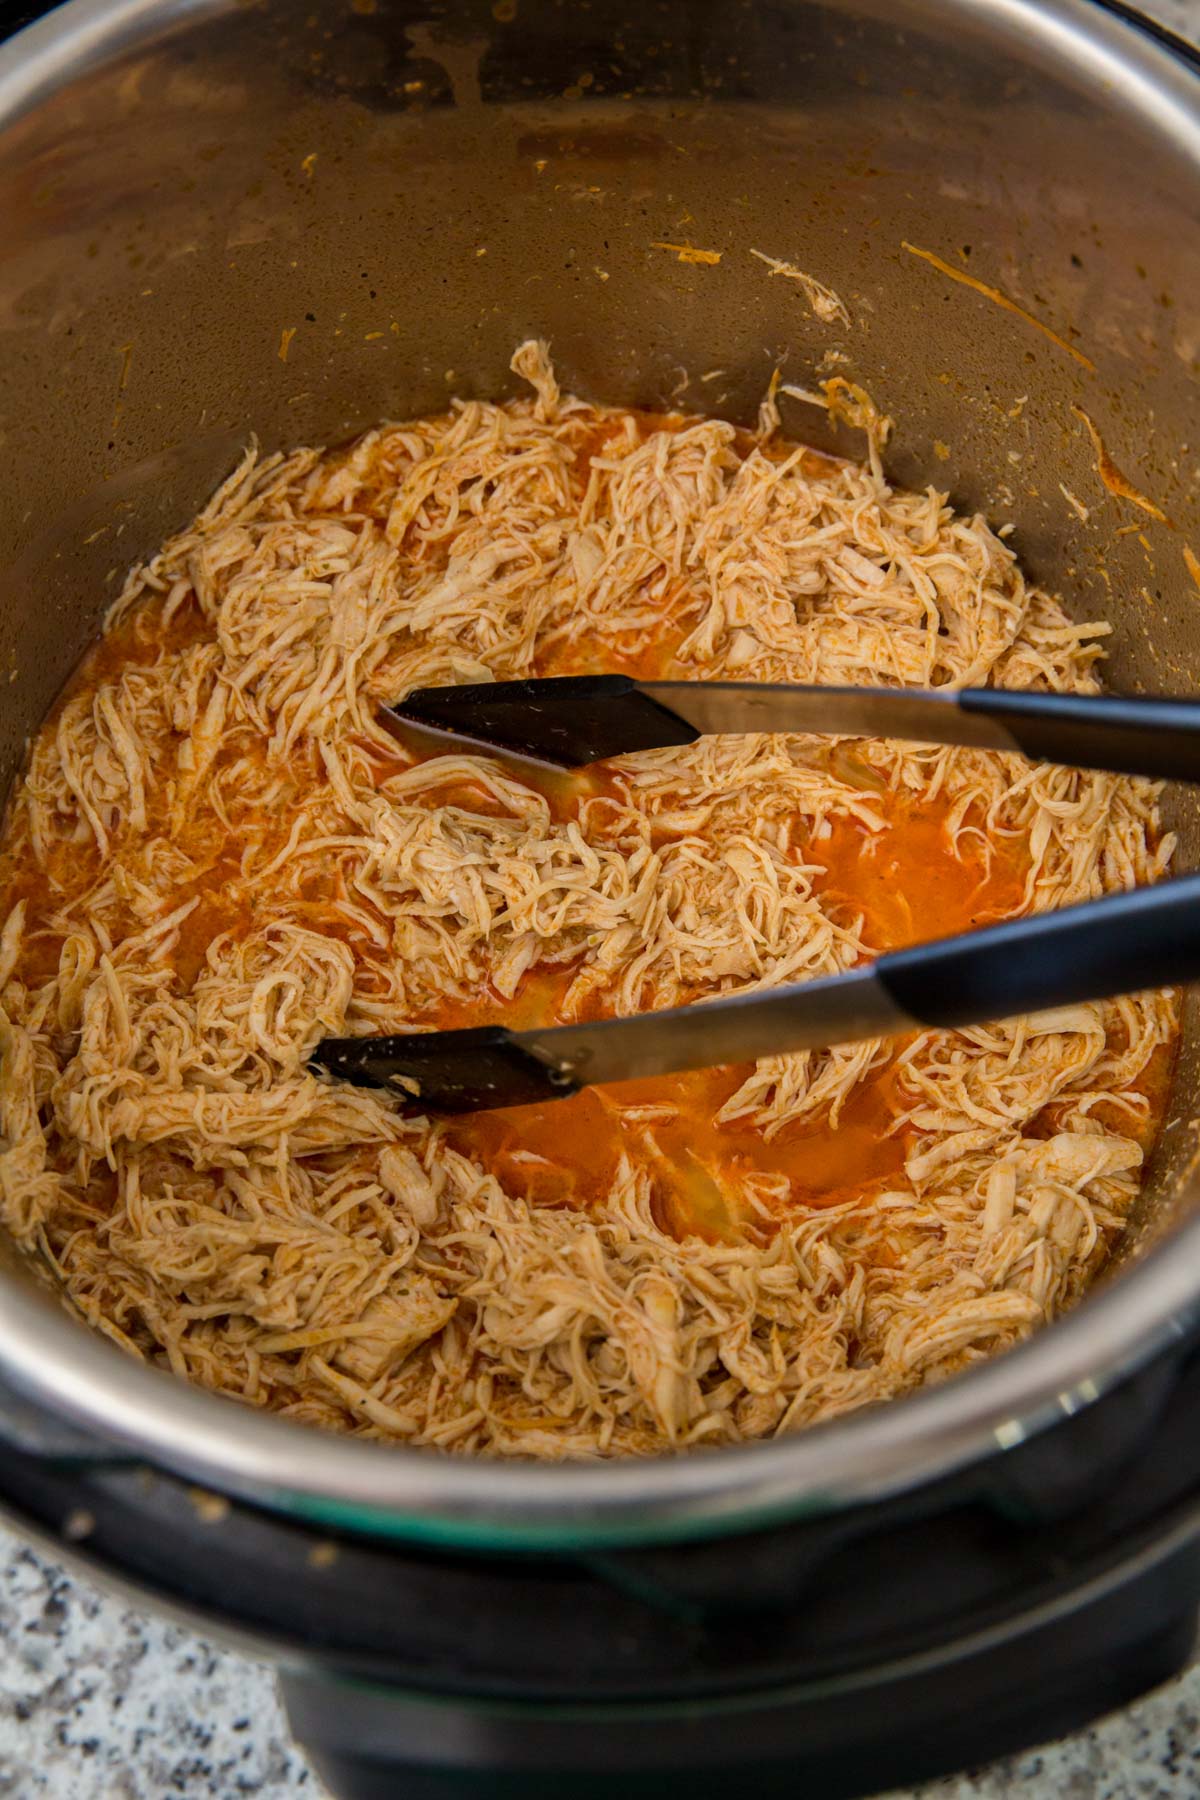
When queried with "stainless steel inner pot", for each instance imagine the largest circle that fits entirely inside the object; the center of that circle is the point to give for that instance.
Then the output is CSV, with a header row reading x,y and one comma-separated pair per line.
x,y
225,219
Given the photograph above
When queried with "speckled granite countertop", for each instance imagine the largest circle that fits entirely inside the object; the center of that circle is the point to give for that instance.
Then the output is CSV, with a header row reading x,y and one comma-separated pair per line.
x,y
98,1703
101,1703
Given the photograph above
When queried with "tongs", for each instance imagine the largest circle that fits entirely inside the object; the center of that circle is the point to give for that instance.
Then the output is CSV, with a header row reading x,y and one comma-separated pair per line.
x,y
1145,938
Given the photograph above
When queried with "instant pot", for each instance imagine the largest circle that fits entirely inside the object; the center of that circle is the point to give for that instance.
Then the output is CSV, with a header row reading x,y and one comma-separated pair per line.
x,y
292,218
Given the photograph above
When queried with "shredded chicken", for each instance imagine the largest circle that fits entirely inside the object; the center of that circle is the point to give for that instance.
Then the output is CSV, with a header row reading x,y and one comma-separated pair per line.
x,y
218,855
826,305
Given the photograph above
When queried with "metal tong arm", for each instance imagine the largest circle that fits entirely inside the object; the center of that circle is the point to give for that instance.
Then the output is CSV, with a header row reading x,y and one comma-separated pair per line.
x,y
1147,938
572,720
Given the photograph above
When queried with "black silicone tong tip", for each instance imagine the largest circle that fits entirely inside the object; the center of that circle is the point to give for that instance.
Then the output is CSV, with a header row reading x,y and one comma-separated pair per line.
x,y
568,720
445,1071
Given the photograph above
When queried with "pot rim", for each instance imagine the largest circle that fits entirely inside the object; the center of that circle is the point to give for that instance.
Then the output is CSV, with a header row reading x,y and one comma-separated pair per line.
x,y
428,1497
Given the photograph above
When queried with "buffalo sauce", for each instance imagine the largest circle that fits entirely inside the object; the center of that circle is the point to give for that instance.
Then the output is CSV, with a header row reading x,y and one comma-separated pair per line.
x,y
568,1152
905,882
911,881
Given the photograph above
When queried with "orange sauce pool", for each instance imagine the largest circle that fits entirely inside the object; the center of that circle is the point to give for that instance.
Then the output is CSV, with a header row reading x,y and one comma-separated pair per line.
x,y
906,883
698,1164
910,882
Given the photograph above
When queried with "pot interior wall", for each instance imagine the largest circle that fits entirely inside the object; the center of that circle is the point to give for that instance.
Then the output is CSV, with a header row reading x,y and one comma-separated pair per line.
x,y
288,222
